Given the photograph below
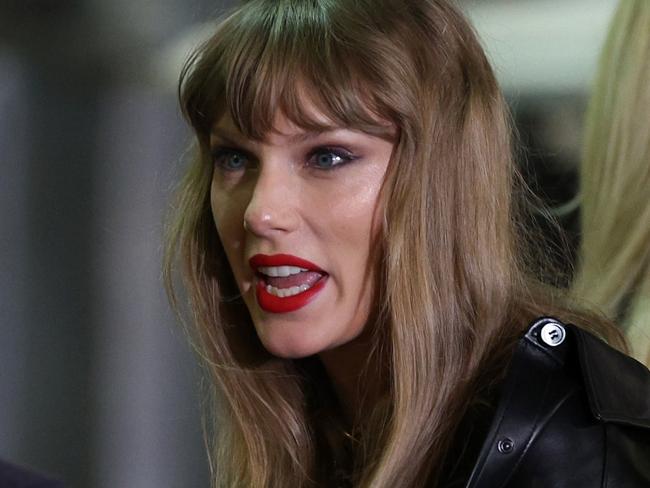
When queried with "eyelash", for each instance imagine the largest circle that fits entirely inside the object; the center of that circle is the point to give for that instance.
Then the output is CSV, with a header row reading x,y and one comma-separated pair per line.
x,y
220,155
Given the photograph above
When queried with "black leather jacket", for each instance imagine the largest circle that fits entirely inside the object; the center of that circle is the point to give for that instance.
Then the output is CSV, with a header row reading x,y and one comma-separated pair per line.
x,y
572,413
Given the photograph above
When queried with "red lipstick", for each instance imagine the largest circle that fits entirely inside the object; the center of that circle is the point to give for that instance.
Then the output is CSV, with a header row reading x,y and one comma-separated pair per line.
x,y
275,304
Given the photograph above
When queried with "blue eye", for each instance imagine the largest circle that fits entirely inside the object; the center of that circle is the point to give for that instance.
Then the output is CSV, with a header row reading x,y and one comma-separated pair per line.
x,y
229,159
329,158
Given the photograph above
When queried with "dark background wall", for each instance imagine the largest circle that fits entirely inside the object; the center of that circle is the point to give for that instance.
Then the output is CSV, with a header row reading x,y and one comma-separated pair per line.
x,y
97,384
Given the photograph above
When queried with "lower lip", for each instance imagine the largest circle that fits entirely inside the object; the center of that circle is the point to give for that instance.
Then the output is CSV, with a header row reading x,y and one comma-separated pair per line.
x,y
274,304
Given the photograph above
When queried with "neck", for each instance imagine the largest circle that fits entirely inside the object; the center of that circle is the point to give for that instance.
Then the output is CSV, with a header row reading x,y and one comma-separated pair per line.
x,y
356,378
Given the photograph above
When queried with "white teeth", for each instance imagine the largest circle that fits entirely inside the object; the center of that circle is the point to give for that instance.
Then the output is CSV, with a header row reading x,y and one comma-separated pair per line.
x,y
286,292
280,271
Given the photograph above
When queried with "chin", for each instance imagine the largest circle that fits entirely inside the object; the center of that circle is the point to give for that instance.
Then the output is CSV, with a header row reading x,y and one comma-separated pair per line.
x,y
291,344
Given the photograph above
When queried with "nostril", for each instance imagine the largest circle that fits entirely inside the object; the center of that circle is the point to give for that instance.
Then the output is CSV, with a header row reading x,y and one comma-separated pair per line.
x,y
262,222
258,223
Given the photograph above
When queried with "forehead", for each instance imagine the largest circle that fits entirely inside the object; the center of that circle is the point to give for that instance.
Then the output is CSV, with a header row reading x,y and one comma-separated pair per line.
x,y
285,119
282,126
303,122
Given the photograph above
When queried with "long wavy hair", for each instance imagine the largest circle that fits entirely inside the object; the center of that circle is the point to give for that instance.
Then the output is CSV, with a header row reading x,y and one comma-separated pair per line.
x,y
452,294
614,257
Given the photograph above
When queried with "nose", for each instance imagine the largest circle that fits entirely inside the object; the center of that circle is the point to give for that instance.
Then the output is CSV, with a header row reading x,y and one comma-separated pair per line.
x,y
272,206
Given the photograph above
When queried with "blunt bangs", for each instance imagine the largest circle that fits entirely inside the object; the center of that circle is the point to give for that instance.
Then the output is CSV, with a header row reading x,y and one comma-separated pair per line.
x,y
286,58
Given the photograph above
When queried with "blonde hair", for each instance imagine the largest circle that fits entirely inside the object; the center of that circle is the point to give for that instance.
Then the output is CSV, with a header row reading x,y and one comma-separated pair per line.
x,y
451,296
614,257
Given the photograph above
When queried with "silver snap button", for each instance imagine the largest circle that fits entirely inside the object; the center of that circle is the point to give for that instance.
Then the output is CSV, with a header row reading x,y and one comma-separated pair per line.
x,y
552,334
505,445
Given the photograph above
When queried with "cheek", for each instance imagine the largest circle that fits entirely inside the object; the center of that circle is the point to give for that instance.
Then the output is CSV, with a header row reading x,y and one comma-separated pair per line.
x,y
228,216
356,216
350,224
355,212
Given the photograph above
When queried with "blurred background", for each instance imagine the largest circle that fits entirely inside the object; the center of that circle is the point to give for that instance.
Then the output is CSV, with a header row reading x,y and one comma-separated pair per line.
x,y
97,384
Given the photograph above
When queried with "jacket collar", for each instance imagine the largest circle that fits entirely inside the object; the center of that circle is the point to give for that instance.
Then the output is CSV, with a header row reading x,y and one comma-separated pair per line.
x,y
618,387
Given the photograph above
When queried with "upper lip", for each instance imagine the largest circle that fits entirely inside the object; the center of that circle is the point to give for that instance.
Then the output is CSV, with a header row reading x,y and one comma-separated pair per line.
x,y
259,260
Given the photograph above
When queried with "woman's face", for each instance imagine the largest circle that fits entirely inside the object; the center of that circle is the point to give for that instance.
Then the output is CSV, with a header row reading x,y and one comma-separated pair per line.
x,y
298,215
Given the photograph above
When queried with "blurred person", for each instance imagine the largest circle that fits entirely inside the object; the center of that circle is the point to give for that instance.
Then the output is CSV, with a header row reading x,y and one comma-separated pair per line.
x,y
350,244
613,270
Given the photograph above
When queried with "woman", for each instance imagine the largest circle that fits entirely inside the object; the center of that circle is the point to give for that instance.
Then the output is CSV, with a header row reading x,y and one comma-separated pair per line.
x,y
349,246
614,258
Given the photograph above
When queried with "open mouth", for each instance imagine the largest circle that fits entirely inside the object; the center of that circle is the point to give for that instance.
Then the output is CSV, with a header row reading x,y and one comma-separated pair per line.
x,y
285,282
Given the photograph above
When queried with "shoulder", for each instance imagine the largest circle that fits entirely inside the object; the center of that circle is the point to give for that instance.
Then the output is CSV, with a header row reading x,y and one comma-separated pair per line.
x,y
572,412
12,476
617,386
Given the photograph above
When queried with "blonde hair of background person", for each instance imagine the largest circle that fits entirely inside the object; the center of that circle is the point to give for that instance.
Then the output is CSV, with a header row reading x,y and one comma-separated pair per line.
x,y
614,257
451,294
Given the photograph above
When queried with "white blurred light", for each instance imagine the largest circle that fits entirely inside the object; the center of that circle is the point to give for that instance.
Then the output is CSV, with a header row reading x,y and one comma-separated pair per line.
x,y
545,46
